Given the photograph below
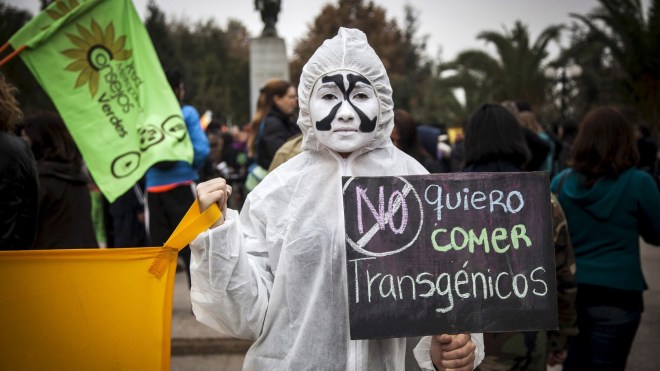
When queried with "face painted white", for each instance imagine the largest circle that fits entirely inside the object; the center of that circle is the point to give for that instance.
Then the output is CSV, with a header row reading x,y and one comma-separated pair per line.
x,y
344,111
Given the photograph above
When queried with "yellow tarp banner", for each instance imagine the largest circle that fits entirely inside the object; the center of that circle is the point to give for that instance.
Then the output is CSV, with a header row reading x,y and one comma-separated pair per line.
x,y
92,309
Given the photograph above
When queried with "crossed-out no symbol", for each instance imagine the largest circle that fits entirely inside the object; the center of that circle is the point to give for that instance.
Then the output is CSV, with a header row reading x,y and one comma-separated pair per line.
x,y
359,246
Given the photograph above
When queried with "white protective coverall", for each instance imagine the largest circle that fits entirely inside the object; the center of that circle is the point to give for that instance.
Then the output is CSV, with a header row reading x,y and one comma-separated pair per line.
x,y
276,274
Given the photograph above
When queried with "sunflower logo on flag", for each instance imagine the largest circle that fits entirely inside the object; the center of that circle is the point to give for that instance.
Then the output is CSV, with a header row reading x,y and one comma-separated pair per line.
x,y
95,48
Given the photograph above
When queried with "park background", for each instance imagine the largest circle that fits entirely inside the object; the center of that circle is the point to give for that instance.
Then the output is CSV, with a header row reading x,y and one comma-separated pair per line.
x,y
443,58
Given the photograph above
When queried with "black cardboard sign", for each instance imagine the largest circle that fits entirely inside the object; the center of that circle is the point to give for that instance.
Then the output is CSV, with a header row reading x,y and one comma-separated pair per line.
x,y
449,253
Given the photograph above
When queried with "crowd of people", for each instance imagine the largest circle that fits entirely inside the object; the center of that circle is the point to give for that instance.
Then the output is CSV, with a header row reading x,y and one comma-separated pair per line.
x,y
282,171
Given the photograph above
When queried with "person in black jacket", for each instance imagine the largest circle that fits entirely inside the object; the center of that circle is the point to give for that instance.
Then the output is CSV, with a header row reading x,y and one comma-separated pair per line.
x,y
275,107
19,184
495,142
65,206
538,148
404,137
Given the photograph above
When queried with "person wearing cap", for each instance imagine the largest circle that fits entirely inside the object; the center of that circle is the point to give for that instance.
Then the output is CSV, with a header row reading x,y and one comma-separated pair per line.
x,y
276,273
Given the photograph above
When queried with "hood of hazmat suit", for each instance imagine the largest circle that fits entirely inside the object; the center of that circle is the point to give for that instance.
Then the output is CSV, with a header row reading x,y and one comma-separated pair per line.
x,y
276,273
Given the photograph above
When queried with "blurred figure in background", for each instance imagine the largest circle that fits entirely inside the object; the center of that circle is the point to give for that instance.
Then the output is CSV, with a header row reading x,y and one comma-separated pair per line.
x,y
647,145
566,132
538,148
127,223
528,121
272,124
427,136
288,150
494,142
171,184
434,140
226,160
608,204
648,150
19,184
457,158
404,137
211,167
65,207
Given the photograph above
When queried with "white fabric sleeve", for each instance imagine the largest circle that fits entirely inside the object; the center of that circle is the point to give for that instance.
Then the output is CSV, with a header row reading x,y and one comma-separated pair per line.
x,y
422,352
230,286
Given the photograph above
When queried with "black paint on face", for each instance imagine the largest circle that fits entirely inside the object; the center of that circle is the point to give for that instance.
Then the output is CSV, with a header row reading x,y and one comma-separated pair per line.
x,y
366,125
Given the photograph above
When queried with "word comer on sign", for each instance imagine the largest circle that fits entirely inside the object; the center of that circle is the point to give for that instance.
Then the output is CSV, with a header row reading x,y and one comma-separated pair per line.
x,y
449,253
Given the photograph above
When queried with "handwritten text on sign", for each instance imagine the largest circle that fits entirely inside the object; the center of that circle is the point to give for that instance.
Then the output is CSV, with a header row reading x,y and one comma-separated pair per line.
x,y
449,253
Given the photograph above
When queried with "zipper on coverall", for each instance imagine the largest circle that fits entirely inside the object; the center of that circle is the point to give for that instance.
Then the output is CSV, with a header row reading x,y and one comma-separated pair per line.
x,y
355,347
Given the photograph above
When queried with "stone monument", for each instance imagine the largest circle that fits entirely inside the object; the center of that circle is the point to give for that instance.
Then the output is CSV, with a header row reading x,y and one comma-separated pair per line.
x,y
267,52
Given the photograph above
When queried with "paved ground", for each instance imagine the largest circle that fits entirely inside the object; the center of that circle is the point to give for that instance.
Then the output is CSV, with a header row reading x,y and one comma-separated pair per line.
x,y
196,347
219,362
644,352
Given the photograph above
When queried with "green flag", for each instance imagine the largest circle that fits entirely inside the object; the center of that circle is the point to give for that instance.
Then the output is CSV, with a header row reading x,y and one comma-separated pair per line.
x,y
95,60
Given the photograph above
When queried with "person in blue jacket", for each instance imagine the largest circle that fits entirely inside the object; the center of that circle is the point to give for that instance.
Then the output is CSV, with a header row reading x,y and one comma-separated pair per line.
x,y
171,184
608,204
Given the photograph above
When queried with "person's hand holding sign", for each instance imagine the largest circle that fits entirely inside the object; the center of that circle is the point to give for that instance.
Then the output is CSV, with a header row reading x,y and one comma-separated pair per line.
x,y
453,352
214,191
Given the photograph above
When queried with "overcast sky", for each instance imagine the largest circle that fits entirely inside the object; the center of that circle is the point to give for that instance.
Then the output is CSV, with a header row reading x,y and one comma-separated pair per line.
x,y
452,25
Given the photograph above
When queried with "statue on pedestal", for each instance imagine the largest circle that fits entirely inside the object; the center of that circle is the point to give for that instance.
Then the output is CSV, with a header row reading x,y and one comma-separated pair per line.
x,y
269,10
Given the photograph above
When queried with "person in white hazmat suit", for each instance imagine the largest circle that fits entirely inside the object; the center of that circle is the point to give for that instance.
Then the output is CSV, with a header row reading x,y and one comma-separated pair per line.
x,y
276,273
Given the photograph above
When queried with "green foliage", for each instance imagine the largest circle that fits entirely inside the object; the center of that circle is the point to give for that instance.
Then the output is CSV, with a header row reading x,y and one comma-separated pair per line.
x,y
410,84
617,45
515,73
214,62
630,41
400,50
452,78
159,32
384,35
598,85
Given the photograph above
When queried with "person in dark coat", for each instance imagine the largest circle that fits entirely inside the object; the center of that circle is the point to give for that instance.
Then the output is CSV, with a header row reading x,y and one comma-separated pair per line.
x,y
566,131
19,185
65,206
648,150
126,216
495,142
404,137
276,105
538,148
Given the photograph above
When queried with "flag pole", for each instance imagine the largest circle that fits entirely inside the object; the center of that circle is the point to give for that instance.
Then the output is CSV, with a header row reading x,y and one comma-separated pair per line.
x,y
12,55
